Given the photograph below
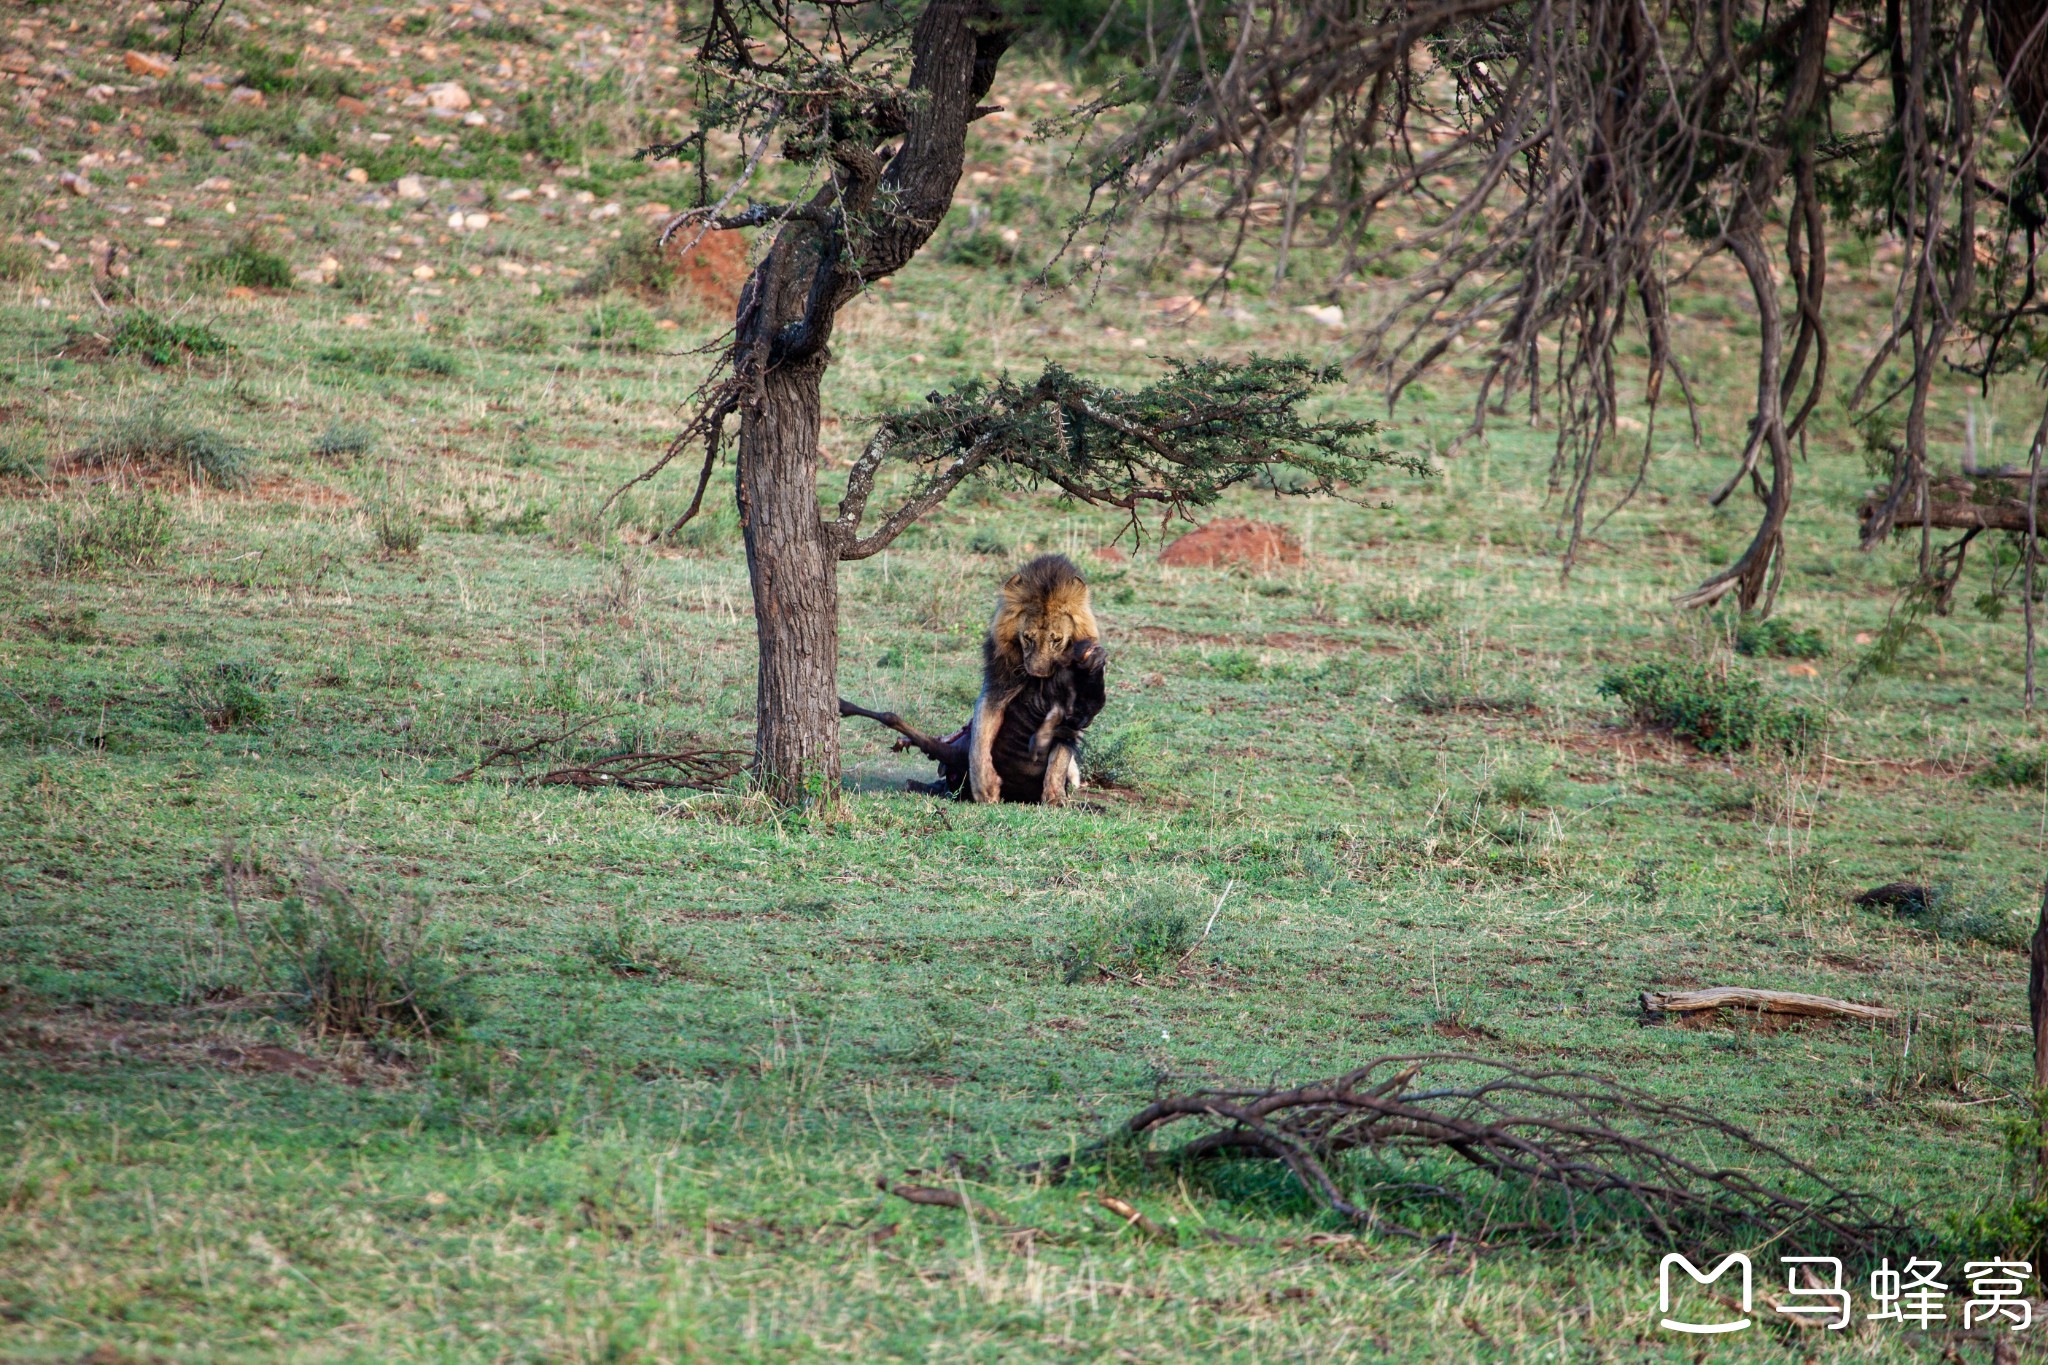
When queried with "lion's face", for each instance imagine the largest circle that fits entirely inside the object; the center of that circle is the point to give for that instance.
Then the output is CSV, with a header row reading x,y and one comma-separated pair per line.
x,y
1042,618
1044,643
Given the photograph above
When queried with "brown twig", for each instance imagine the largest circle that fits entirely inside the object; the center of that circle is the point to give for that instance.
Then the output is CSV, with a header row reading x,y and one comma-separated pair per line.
x,y
701,769
504,751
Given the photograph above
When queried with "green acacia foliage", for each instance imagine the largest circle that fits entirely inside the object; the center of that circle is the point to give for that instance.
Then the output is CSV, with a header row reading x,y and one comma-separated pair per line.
x,y
1180,441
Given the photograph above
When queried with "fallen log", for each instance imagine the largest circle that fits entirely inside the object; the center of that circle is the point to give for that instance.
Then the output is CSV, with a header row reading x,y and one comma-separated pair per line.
x,y
1765,1002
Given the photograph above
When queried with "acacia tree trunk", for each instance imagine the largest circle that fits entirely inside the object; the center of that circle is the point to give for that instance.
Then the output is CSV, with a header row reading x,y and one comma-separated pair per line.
x,y
867,223
793,563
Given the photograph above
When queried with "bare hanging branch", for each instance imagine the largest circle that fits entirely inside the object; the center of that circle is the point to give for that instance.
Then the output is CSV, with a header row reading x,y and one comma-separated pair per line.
x,y
1568,161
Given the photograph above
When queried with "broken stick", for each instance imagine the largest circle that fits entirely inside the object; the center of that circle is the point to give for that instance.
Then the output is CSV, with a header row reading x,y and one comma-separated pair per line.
x,y
1766,1002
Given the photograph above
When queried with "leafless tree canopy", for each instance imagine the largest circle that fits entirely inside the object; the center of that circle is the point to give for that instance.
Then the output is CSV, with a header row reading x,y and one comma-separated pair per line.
x,y
1571,159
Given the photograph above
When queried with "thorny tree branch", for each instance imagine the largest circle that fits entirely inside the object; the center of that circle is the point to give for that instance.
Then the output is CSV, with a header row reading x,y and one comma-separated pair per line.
x,y
1587,1151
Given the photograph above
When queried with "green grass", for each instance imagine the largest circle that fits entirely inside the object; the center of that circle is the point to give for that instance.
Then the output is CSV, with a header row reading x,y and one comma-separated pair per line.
x,y
1375,803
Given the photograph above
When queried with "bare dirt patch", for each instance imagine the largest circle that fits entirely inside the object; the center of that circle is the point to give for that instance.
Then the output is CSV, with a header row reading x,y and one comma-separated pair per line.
x,y
1259,544
712,268
81,1040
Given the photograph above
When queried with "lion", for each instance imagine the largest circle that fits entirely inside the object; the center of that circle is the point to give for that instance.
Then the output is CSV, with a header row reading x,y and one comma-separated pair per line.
x,y
1042,684
1043,630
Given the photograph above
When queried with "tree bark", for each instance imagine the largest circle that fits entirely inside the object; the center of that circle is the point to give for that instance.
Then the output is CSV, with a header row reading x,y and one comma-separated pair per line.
x,y
793,563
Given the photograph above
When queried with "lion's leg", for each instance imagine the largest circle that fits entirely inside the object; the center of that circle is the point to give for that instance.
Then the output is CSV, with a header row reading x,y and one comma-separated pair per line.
x,y
1062,776
982,780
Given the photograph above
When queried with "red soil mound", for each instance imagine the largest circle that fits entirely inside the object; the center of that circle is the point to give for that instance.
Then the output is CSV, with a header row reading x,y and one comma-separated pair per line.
x,y
1258,543
713,268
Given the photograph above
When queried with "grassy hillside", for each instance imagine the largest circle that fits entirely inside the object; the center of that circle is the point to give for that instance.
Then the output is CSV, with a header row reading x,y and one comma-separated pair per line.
x,y
308,402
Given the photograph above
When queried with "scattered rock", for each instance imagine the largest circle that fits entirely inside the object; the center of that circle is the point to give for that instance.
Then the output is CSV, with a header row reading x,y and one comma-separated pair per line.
x,y
219,184
350,105
356,320
1257,543
28,154
17,63
311,277
411,187
447,95
243,94
611,210
75,183
147,64
356,175
1328,314
1182,307
423,273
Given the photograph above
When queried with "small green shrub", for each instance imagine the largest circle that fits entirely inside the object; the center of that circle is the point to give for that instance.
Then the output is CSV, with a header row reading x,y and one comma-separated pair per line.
x,y
528,334
623,944
979,249
276,72
2015,768
78,626
1147,937
1520,784
229,695
348,968
248,263
1441,685
1393,609
428,360
132,532
987,542
345,441
153,438
22,455
637,264
381,359
1237,665
1721,712
622,325
161,341
399,529
1125,757
1778,638
1382,764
